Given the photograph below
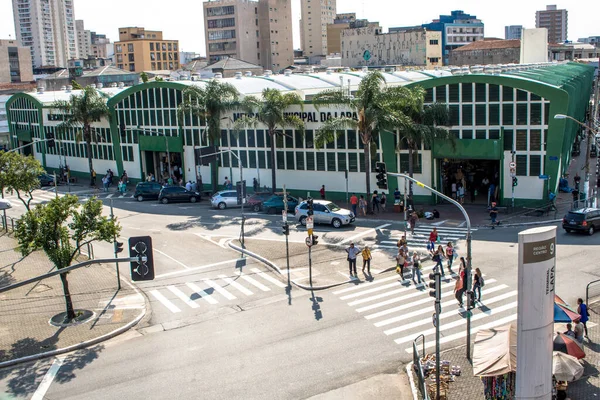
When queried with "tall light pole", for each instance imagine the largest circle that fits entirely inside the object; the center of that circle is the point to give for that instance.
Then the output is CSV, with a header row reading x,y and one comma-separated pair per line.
x,y
229,122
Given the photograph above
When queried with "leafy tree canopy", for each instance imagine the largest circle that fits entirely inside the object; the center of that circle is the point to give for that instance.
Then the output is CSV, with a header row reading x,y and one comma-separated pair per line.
x,y
20,174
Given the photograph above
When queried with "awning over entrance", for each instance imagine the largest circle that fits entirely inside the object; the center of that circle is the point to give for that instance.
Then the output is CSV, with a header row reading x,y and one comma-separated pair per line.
x,y
158,143
24,136
477,149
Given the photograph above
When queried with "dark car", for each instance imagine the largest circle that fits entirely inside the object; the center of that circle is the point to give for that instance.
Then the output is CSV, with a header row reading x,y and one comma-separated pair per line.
x,y
593,151
147,191
583,220
275,203
256,200
46,180
175,194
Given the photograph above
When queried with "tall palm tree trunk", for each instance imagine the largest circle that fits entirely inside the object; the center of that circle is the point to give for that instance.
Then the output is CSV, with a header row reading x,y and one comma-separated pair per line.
x,y
273,160
367,157
214,168
68,300
88,148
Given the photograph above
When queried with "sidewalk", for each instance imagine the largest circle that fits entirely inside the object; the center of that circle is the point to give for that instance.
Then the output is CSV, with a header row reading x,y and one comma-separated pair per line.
x,y
25,329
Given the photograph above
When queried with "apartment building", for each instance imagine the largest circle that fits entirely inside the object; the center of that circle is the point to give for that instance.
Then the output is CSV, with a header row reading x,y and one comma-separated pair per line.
x,y
275,21
15,62
316,15
341,22
84,39
555,21
47,27
140,50
513,32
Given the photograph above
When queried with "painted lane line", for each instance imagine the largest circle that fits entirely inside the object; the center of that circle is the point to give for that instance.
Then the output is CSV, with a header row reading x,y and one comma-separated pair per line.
x,y
268,278
195,268
439,223
220,289
40,393
364,285
236,285
171,258
450,303
363,233
254,282
110,195
182,296
200,292
454,324
165,302
474,330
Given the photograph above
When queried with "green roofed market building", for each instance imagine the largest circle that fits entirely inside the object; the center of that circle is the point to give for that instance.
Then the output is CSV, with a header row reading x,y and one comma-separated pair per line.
x,y
500,114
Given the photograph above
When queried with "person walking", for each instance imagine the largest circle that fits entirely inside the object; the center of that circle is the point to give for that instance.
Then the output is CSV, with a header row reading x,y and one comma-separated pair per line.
x,y
375,201
579,330
459,287
352,253
438,258
412,219
416,264
453,187
93,179
383,201
354,203
366,256
362,204
227,183
433,236
450,256
583,311
461,193
400,262
105,183
493,213
477,283
255,185
322,192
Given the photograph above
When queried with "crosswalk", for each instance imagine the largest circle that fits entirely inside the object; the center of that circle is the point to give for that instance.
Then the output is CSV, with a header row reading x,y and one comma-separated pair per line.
x,y
214,291
402,310
41,196
420,237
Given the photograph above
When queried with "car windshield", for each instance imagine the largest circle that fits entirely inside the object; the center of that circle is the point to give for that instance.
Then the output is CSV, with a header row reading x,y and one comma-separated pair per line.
x,y
332,207
575,217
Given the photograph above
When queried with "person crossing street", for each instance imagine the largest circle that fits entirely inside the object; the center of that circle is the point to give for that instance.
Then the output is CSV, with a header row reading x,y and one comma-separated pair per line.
x,y
366,255
352,253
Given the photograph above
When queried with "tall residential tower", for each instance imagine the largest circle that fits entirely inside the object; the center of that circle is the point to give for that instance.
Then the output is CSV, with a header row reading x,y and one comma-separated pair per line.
x,y
316,15
555,21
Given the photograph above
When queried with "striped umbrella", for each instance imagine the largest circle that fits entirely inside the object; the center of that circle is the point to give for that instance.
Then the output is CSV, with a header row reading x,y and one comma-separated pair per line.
x,y
567,345
563,312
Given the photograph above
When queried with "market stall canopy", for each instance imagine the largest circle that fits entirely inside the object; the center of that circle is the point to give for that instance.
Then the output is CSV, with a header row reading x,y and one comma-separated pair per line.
x,y
495,351
563,312
568,345
566,367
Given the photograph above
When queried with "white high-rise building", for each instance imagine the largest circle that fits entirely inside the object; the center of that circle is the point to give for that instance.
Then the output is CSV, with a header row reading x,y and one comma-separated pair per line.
x,y
316,15
48,28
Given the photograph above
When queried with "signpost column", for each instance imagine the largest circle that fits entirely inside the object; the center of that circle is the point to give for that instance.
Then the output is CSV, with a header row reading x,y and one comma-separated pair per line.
x,y
535,313
309,227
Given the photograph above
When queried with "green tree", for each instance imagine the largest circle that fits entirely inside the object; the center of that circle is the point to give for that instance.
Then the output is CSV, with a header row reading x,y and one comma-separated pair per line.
x,y
426,123
76,85
80,112
20,174
60,229
270,111
208,103
377,106
144,77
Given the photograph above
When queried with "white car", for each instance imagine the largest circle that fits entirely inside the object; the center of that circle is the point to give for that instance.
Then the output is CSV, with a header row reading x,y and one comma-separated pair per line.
x,y
324,212
225,199
5,204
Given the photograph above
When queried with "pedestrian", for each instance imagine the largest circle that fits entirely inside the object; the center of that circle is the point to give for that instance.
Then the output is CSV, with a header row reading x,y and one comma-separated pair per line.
x,y
255,185
583,311
450,256
353,203
493,214
110,176
149,177
397,196
459,287
438,257
188,186
362,204
579,330
227,183
93,178
352,253
322,192
194,187
401,242
383,201
416,262
125,177
461,193
477,282
375,201
122,186
433,236
366,256
454,190
400,262
569,331
105,183
413,221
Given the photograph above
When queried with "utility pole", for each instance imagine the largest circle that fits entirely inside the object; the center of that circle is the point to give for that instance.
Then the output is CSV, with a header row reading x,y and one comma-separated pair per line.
x,y
405,209
286,232
116,248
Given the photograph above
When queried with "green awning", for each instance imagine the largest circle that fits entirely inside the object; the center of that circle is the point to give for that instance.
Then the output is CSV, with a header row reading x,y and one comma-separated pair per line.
x,y
158,143
469,149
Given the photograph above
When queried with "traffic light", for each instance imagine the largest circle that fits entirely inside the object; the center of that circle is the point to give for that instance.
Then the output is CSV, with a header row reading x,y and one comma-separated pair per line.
x,y
309,202
50,137
240,190
118,247
141,270
381,175
435,285
315,240
515,181
470,300
286,229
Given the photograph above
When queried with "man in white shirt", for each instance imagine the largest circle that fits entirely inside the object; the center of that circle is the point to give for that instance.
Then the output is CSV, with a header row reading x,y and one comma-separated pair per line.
x,y
188,186
352,253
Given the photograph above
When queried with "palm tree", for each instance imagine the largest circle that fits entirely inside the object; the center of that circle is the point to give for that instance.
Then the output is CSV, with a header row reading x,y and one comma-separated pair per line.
x,y
208,103
378,107
426,124
270,111
81,110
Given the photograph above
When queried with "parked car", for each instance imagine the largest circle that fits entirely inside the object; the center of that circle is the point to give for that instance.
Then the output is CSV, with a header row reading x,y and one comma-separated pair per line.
x,y
275,203
224,199
593,151
147,191
256,200
325,212
583,220
46,180
174,194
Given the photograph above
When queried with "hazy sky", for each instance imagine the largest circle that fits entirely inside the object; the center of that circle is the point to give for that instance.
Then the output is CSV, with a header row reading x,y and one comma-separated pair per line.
x,y
182,19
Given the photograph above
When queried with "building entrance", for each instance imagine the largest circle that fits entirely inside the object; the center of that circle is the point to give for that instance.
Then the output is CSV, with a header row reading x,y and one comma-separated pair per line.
x,y
471,178
157,163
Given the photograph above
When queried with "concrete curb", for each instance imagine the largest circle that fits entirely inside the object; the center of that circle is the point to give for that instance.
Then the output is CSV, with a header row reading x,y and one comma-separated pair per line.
x,y
550,221
411,380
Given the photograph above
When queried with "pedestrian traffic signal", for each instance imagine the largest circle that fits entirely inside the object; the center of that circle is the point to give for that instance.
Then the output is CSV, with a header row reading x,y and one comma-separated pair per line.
x,y
50,137
470,300
309,203
143,268
315,240
286,229
435,285
240,190
118,246
381,175
515,181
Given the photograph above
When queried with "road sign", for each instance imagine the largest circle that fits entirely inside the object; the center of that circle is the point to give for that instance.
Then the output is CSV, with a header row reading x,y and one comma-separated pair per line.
x,y
513,172
512,165
308,241
544,177
553,158
284,216
309,223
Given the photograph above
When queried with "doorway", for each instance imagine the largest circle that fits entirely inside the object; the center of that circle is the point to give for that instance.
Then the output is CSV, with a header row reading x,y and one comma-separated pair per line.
x,y
157,163
475,176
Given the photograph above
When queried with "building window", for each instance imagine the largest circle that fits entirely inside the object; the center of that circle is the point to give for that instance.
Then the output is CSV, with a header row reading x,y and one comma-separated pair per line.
x,y
132,67
508,114
417,163
467,92
521,140
467,114
521,161
151,46
130,47
433,42
131,57
535,140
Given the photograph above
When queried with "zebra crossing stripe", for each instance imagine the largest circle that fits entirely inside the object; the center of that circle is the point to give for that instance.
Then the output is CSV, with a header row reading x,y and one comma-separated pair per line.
x,y
110,195
375,289
165,302
268,278
456,323
182,296
200,292
364,285
474,330
254,282
236,285
220,289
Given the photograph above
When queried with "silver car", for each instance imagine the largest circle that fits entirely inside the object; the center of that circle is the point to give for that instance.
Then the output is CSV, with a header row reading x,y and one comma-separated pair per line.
x,y
325,212
224,199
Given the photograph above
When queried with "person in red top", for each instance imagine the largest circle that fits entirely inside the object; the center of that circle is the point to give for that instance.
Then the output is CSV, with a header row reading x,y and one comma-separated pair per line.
x,y
354,203
322,191
433,235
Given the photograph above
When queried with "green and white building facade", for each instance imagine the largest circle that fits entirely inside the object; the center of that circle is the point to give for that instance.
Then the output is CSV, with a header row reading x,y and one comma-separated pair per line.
x,y
500,114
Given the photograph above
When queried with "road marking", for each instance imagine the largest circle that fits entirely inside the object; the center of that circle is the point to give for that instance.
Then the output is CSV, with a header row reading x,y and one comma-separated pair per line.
x,y
462,224
110,195
236,285
368,284
40,393
254,282
168,256
200,292
375,289
366,232
220,289
182,296
195,268
268,278
439,223
166,302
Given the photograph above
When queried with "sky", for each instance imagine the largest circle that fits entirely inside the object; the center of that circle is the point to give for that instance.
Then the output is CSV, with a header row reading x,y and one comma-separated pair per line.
x,y
182,20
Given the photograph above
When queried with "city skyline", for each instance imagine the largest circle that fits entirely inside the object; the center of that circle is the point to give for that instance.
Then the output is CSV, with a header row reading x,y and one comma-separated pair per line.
x,y
181,23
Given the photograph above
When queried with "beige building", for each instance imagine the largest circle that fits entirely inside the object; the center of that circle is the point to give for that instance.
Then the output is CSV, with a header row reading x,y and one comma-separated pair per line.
x,y
84,39
15,62
340,23
140,50
276,45
411,47
316,15
555,21
47,27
